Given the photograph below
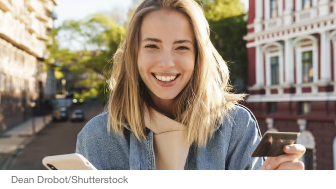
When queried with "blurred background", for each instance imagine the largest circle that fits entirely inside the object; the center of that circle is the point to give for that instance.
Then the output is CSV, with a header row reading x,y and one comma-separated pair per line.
x,y
55,61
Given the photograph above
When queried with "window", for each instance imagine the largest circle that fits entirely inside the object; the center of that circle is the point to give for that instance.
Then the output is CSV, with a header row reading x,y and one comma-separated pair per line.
x,y
304,108
274,9
307,67
272,107
275,70
307,4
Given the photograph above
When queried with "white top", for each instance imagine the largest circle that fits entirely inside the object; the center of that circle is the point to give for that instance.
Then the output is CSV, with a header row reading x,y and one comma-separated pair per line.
x,y
170,149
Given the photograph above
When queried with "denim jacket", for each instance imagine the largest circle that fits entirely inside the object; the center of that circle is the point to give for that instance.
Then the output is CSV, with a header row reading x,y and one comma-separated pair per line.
x,y
230,147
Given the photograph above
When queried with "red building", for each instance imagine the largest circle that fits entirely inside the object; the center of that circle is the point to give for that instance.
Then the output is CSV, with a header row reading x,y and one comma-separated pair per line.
x,y
292,73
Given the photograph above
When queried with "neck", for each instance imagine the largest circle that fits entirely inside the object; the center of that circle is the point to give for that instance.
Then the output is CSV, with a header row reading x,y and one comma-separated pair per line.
x,y
164,106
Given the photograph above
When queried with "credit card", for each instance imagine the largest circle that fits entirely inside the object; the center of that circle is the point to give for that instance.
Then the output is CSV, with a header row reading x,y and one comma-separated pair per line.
x,y
272,143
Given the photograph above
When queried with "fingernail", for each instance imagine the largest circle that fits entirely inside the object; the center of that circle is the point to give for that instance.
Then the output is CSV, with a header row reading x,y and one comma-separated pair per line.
x,y
287,148
268,166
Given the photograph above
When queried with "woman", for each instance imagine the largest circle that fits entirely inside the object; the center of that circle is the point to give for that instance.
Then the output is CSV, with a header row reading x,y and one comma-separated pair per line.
x,y
170,106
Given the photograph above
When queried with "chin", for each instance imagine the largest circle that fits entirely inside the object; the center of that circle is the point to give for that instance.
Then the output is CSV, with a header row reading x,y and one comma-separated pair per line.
x,y
166,96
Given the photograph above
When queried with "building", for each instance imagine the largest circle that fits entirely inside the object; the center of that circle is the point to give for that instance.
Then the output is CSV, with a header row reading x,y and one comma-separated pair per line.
x,y
24,82
292,73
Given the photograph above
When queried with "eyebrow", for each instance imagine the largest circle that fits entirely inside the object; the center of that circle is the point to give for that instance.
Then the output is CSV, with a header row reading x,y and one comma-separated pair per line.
x,y
175,42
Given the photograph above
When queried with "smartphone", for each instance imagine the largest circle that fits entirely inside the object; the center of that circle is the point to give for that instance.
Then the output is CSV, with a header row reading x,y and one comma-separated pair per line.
x,y
272,143
67,162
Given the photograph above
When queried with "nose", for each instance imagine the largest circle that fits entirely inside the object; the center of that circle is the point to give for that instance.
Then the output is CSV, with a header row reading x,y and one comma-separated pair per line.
x,y
167,60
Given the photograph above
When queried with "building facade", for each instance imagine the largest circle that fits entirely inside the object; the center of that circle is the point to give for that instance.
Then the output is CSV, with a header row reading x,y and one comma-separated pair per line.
x,y
292,73
24,82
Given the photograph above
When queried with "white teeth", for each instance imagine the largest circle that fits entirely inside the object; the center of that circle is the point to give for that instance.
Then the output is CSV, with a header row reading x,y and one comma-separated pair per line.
x,y
165,78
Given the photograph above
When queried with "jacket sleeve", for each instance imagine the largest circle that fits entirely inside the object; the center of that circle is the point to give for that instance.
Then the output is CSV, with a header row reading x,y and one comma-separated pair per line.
x,y
79,146
244,139
88,143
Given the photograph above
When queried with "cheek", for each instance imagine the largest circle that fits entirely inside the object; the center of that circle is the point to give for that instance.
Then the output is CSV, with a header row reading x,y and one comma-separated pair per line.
x,y
188,65
142,63
145,63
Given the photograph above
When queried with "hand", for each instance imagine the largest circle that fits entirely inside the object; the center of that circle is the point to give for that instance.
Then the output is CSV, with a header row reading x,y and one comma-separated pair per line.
x,y
288,161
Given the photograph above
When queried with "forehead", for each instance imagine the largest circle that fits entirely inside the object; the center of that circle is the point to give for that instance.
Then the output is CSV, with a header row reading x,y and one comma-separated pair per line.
x,y
166,23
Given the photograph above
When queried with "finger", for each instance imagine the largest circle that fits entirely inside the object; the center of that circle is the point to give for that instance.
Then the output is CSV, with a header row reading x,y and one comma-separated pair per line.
x,y
278,141
270,139
298,165
268,160
277,161
297,149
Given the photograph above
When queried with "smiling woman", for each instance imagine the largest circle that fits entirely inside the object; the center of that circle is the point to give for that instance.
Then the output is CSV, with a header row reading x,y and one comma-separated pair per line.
x,y
171,105
166,56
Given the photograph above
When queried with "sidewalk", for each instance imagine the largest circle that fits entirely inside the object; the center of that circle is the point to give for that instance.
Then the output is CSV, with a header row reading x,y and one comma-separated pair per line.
x,y
16,138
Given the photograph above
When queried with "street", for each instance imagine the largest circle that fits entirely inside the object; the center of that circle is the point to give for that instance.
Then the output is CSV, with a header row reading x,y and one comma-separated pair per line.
x,y
55,139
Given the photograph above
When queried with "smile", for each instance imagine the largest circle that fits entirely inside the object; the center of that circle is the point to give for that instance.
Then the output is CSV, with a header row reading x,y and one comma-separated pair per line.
x,y
166,78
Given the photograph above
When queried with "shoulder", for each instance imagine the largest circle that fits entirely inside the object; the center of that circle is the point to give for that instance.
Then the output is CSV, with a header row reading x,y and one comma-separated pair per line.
x,y
244,114
243,135
97,126
241,112
105,150
242,120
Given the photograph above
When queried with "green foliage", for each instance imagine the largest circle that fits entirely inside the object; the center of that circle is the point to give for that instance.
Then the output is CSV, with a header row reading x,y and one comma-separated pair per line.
x,y
227,21
227,37
216,10
59,74
103,91
86,55
77,95
99,37
89,94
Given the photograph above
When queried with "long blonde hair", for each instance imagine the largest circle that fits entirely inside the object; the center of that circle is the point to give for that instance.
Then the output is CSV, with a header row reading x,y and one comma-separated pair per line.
x,y
200,106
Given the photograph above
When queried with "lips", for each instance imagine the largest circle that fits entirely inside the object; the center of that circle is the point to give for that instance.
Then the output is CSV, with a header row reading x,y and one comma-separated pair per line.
x,y
166,80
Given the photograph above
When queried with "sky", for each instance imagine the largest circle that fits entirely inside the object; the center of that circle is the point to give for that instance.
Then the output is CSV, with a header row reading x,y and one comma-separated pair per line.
x,y
78,9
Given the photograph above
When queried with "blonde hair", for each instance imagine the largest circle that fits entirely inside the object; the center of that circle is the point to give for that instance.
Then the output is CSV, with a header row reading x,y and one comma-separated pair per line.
x,y
200,106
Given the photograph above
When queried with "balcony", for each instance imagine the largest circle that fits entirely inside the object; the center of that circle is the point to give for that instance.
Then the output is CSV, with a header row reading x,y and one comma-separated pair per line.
x,y
306,14
48,6
32,5
272,23
42,17
292,17
43,37
50,23
34,26
5,5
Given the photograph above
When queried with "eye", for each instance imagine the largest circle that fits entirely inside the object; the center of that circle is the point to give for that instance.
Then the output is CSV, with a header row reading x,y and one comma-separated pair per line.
x,y
151,46
182,48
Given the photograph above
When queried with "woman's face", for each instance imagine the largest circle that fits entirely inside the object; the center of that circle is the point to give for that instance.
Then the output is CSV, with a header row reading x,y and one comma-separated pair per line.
x,y
166,56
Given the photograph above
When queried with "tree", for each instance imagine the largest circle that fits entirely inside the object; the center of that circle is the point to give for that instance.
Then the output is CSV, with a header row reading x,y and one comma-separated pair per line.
x,y
98,37
216,10
227,21
90,45
227,37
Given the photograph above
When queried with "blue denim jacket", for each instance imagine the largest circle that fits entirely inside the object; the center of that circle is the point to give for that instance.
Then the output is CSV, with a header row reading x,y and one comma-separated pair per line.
x,y
230,147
